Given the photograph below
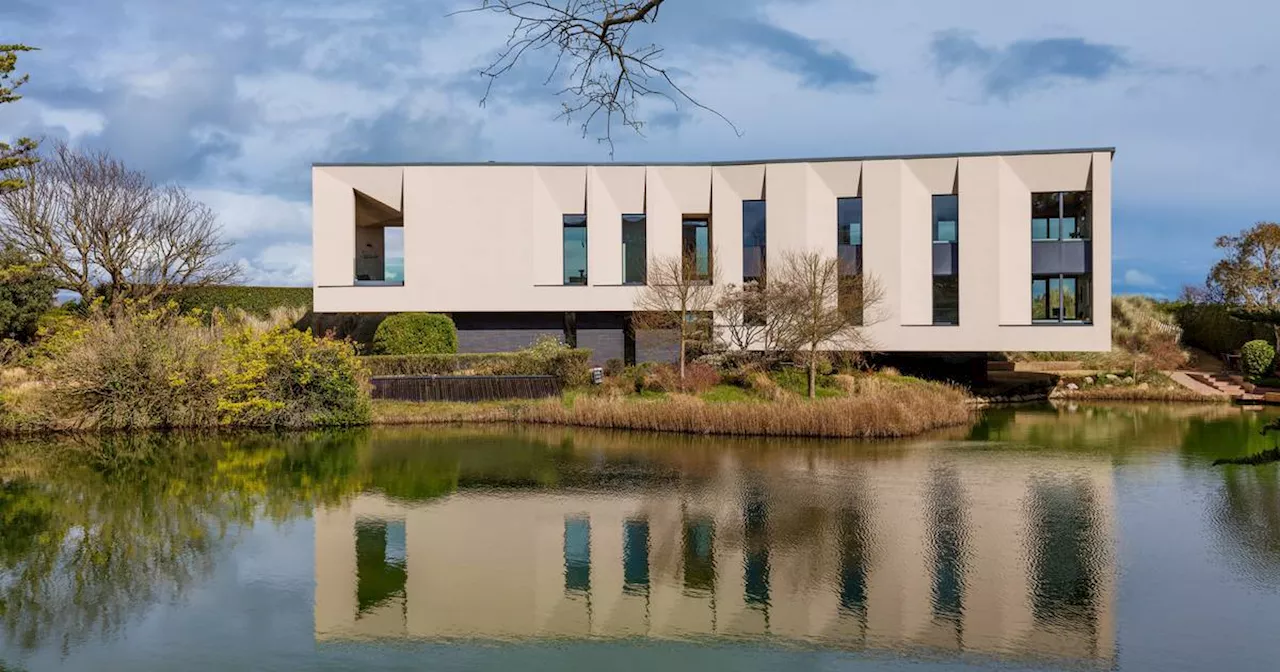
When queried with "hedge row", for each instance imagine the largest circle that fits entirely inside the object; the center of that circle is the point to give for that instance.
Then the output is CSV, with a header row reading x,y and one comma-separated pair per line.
x,y
256,300
1211,328
568,365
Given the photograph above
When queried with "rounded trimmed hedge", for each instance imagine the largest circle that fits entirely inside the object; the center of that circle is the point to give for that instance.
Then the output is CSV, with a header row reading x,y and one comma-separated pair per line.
x,y
416,334
1256,358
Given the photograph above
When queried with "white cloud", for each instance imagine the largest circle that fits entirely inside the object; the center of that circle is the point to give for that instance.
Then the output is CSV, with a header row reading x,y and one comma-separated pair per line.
x,y
1135,278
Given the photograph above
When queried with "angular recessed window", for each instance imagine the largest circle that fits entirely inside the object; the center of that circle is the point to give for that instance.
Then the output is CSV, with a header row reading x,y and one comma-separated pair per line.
x,y
695,237
754,227
946,274
379,239
634,249
575,249
849,254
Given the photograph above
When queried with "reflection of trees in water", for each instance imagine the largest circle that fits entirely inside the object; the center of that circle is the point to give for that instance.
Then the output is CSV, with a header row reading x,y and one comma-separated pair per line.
x,y
96,530
1245,514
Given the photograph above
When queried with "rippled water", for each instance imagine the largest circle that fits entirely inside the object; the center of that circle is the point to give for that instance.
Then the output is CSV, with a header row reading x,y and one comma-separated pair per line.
x,y
1070,538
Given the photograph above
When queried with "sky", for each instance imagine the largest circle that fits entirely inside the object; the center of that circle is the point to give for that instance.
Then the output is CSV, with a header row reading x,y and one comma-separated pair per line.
x,y
235,99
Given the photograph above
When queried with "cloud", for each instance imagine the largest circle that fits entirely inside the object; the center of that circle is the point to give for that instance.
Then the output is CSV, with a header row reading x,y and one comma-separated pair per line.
x,y
1026,64
1137,279
819,65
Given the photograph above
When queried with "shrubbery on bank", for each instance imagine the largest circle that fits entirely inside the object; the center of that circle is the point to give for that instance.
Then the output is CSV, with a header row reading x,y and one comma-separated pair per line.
x,y
162,369
416,334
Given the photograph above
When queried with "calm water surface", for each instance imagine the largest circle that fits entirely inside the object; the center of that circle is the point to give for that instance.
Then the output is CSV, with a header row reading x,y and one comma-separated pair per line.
x,y
1068,538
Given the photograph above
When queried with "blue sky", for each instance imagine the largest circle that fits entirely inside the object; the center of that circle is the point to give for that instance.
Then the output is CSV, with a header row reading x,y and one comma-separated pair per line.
x,y
236,98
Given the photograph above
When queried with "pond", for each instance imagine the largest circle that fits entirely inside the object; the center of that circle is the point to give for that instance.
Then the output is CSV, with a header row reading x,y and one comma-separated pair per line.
x,y
1080,537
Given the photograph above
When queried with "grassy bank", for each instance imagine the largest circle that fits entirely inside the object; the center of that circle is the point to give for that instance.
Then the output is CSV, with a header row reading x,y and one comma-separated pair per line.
x,y
870,407
1122,387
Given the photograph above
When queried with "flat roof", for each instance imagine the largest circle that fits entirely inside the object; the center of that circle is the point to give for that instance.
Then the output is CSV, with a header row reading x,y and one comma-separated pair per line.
x,y
883,157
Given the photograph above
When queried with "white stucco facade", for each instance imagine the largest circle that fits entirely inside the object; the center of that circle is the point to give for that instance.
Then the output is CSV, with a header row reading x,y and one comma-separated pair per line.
x,y
487,238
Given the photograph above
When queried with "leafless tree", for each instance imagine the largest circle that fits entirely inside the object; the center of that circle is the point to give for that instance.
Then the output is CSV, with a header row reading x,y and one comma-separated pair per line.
x,y
752,318
680,299
103,229
823,307
605,73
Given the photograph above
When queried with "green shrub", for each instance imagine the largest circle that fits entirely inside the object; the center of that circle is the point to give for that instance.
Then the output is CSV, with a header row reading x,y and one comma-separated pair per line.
x,y
288,378
256,300
159,369
416,334
149,369
1256,358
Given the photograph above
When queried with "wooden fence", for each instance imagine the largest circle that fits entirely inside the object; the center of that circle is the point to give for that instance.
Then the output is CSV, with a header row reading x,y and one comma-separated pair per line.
x,y
464,388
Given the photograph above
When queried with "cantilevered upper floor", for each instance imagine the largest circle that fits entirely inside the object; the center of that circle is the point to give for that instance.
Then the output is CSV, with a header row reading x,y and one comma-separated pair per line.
x,y
972,252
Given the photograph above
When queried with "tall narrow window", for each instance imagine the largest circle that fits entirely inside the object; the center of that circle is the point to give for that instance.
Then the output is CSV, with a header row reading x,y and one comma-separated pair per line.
x,y
849,254
575,249
634,249
946,274
696,240
380,563
754,226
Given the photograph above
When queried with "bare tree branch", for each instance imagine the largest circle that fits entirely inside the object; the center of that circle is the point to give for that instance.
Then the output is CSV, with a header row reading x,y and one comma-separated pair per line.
x,y
104,229
606,76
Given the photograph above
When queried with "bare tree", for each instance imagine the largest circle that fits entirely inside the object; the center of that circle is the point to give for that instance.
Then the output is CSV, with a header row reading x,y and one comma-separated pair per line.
x,y
752,318
823,307
679,298
104,229
606,74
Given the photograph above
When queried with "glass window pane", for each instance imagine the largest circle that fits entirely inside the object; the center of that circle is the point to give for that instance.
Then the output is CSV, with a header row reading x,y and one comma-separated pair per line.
x,y
1069,228
1076,205
1055,228
1039,229
849,221
946,218
1084,298
696,238
754,228
946,299
575,249
1069,299
1055,299
634,249
1039,299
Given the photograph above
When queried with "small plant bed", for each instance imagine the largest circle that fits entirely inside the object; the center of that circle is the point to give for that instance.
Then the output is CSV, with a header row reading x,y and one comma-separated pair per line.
x,y
1126,386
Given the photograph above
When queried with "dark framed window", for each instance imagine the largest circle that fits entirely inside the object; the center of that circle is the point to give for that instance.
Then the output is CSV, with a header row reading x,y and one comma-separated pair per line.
x,y
1061,215
634,249
1061,298
946,218
754,229
575,249
695,236
848,221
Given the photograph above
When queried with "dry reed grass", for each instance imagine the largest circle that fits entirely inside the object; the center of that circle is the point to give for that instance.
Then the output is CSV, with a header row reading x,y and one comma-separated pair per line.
x,y
877,409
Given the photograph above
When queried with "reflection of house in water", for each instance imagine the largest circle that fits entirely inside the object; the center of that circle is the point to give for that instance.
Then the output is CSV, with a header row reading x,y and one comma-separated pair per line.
x,y
948,550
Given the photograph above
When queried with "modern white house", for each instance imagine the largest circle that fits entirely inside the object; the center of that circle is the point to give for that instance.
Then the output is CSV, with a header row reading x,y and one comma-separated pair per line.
x,y
1005,251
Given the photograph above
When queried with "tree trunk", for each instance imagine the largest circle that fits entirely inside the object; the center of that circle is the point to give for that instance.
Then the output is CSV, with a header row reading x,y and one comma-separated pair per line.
x,y
813,373
682,350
